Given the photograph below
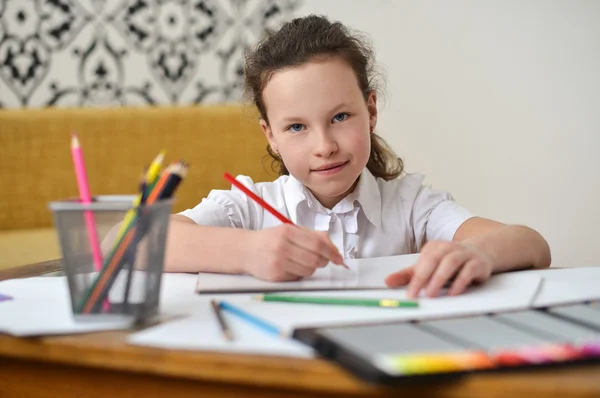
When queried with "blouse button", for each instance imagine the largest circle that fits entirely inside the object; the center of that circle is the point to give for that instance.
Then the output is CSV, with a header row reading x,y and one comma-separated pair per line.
x,y
352,253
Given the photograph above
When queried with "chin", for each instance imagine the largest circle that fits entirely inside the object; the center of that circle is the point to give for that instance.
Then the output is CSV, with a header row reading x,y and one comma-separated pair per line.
x,y
338,190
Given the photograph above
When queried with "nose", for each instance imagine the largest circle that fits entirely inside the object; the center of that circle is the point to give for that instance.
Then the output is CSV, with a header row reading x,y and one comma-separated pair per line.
x,y
324,143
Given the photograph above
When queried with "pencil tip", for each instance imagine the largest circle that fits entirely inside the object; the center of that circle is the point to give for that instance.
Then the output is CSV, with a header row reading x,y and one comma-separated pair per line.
x,y
74,140
259,297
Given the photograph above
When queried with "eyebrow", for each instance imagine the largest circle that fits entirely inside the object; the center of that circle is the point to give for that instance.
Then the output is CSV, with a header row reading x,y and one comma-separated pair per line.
x,y
295,119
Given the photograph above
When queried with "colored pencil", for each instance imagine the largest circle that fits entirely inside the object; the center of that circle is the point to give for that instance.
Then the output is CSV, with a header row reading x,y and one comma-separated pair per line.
x,y
222,324
86,198
262,203
258,199
101,285
178,173
168,182
163,189
253,320
345,301
4,297
149,180
131,257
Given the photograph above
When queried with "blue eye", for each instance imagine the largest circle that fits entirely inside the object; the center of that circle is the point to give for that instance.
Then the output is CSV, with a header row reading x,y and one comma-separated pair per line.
x,y
340,117
296,127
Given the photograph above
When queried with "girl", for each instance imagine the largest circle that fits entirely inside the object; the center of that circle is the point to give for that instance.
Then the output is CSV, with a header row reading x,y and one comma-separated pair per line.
x,y
312,83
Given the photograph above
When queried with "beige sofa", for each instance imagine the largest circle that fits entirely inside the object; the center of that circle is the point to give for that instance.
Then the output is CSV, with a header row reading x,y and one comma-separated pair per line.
x,y
36,166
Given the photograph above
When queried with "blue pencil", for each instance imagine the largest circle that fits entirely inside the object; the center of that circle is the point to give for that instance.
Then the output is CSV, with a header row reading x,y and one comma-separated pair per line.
x,y
267,327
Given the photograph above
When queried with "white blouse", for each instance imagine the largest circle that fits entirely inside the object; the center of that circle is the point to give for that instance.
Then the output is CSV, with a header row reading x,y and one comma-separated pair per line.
x,y
380,218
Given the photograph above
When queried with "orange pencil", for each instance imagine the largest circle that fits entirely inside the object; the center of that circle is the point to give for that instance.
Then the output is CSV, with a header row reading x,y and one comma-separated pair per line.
x,y
164,188
168,182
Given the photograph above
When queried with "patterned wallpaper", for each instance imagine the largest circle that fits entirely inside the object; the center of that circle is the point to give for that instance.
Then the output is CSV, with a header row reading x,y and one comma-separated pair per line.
x,y
128,52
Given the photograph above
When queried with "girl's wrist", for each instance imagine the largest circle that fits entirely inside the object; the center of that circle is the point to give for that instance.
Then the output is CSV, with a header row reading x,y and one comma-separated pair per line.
x,y
490,255
246,246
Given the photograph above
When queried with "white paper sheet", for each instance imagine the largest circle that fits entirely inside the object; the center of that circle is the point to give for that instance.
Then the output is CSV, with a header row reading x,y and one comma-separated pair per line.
x,y
555,292
363,274
41,306
201,332
501,293
566,285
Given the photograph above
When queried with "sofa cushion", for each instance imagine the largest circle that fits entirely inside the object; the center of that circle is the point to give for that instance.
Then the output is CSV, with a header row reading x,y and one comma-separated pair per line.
x,y
24,246
36,165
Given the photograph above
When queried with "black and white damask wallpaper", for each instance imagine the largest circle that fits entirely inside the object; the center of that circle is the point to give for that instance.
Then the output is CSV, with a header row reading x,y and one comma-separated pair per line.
x,y
128,52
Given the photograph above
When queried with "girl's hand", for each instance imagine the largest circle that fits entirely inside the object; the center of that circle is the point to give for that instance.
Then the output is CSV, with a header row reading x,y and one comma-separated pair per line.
x,y
438,263
288,252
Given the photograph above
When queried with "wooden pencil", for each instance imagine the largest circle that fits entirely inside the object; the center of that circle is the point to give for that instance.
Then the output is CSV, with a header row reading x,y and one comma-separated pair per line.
x,y
164,188
149,179
264,204
221,320
343,301
251,319
168,182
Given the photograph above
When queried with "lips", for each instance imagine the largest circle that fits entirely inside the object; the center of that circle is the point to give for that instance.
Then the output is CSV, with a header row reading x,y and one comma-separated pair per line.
x,y
330,166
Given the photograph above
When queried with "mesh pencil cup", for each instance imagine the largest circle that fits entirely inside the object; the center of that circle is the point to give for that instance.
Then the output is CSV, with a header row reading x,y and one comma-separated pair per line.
x,y
125,282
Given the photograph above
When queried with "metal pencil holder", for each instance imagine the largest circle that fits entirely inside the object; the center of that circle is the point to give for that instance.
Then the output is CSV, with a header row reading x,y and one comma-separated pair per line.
x,y
119,275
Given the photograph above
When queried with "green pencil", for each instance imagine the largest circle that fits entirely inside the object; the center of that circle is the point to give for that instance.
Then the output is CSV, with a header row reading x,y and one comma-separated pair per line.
x,y
364,302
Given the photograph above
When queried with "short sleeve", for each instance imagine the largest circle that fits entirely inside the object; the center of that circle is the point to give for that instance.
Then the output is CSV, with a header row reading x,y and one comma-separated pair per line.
x,y
436,216
222,208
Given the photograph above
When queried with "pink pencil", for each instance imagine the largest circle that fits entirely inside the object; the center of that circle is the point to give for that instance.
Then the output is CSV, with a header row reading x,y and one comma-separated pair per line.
x,y
84,193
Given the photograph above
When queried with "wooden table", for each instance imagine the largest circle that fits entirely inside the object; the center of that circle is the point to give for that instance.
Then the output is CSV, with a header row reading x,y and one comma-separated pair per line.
x,y
103,365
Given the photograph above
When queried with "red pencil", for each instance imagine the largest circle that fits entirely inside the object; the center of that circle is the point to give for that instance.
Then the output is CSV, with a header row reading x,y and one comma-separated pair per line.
x,y
258,199
261,202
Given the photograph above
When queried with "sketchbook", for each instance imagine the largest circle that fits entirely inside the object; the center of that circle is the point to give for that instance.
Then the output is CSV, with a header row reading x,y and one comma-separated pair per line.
x,y
362,274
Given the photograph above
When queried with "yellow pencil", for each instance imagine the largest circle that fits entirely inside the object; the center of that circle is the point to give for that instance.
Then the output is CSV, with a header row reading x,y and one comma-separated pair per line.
x,y
151,176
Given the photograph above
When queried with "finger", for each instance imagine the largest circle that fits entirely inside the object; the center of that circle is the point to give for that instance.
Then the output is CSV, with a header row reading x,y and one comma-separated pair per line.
x,y
315,243
427,263
279,275
288,277
297,269
449,266
338,258
305,257
466,275
400,278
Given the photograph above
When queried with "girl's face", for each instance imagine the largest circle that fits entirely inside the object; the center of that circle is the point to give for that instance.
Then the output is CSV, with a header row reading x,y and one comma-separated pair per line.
x,y
320,124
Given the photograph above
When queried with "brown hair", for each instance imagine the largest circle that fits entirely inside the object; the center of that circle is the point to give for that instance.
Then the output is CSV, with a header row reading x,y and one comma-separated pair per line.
x,y
302,40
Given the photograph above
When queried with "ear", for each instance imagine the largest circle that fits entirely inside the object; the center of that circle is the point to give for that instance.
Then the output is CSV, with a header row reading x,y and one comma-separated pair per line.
x,y
268,133
372,108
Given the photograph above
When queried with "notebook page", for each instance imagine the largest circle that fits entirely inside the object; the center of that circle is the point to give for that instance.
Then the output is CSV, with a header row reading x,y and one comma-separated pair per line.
x,y
363,274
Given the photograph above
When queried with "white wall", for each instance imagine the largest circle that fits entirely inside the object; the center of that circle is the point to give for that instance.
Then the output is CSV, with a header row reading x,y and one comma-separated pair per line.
x,y
497,102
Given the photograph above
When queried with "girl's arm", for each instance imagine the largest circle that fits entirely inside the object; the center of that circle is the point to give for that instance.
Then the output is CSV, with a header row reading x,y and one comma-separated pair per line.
x,y
480,247
285,252
193,248
509,247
